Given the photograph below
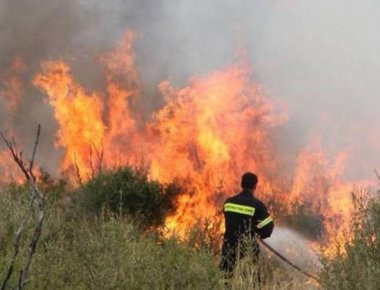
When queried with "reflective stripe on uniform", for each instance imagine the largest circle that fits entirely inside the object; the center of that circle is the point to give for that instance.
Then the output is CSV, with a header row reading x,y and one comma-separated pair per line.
x,y
264,222
238,208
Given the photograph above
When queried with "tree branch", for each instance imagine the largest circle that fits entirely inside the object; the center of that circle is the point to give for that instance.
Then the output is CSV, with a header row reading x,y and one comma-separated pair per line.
x,y
377,174
35,149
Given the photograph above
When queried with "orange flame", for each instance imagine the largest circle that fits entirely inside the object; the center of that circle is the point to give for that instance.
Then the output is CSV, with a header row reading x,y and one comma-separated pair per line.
x,y
318,182
79,114
209,133
87,132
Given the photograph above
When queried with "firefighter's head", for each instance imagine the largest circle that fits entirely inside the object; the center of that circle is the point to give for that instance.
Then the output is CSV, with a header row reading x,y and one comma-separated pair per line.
x,y
249,181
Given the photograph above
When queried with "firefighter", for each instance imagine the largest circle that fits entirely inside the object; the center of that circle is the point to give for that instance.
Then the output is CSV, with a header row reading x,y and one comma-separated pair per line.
x,y
245,218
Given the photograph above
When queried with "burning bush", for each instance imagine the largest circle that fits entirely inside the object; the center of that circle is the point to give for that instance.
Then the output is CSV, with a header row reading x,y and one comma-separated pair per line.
x,y
359,267
128,191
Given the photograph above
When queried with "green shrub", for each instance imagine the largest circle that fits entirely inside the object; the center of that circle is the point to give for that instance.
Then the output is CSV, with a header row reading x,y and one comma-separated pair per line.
x,y
359,267
128,191
114,254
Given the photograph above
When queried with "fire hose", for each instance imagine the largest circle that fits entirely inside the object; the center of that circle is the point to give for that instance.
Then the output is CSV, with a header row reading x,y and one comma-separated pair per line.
x,y
287,261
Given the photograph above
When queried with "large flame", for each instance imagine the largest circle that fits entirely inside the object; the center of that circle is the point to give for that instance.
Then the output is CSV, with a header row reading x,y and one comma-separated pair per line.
x,y
207,134
79,115
95,128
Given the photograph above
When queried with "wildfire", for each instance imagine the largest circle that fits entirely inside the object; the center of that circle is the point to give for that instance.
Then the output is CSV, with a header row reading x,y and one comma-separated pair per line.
x,y
79,115
89,135
206,135
209,133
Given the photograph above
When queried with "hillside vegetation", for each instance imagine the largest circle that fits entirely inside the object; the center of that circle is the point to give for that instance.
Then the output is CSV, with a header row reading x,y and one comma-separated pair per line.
x,y
106,235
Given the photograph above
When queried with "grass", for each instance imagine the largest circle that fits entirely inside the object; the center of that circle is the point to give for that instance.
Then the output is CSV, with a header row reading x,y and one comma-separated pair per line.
x,y
107,249
92,240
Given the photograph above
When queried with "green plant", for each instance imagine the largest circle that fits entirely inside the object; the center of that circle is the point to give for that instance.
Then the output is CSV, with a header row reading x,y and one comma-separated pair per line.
x,y
127,191
85,251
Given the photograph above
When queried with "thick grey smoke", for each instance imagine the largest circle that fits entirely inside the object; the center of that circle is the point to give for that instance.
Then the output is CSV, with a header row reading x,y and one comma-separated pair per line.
x,y
320,56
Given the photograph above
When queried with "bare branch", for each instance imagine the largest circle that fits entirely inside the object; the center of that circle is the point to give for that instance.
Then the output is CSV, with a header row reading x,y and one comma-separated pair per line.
x,y
100,155
34,240
20,280
91,163
18,234
35,148
4,139
196,157
36,194
17,156
77,174
377,174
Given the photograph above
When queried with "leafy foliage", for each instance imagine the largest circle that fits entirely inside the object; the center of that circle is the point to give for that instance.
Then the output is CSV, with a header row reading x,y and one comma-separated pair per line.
x,y
129,192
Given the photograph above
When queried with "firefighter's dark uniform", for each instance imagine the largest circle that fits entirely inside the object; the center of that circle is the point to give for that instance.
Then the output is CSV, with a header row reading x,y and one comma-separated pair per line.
x,y
244,216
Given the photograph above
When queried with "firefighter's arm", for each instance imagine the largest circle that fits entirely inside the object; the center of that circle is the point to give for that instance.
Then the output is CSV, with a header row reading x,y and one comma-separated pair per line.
x,y
264,223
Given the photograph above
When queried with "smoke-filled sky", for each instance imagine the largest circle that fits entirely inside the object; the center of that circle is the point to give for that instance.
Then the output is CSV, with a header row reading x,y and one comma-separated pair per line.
x,y
319,56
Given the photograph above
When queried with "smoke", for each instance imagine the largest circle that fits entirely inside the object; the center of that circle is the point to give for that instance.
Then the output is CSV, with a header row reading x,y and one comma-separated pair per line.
x,y
320,57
